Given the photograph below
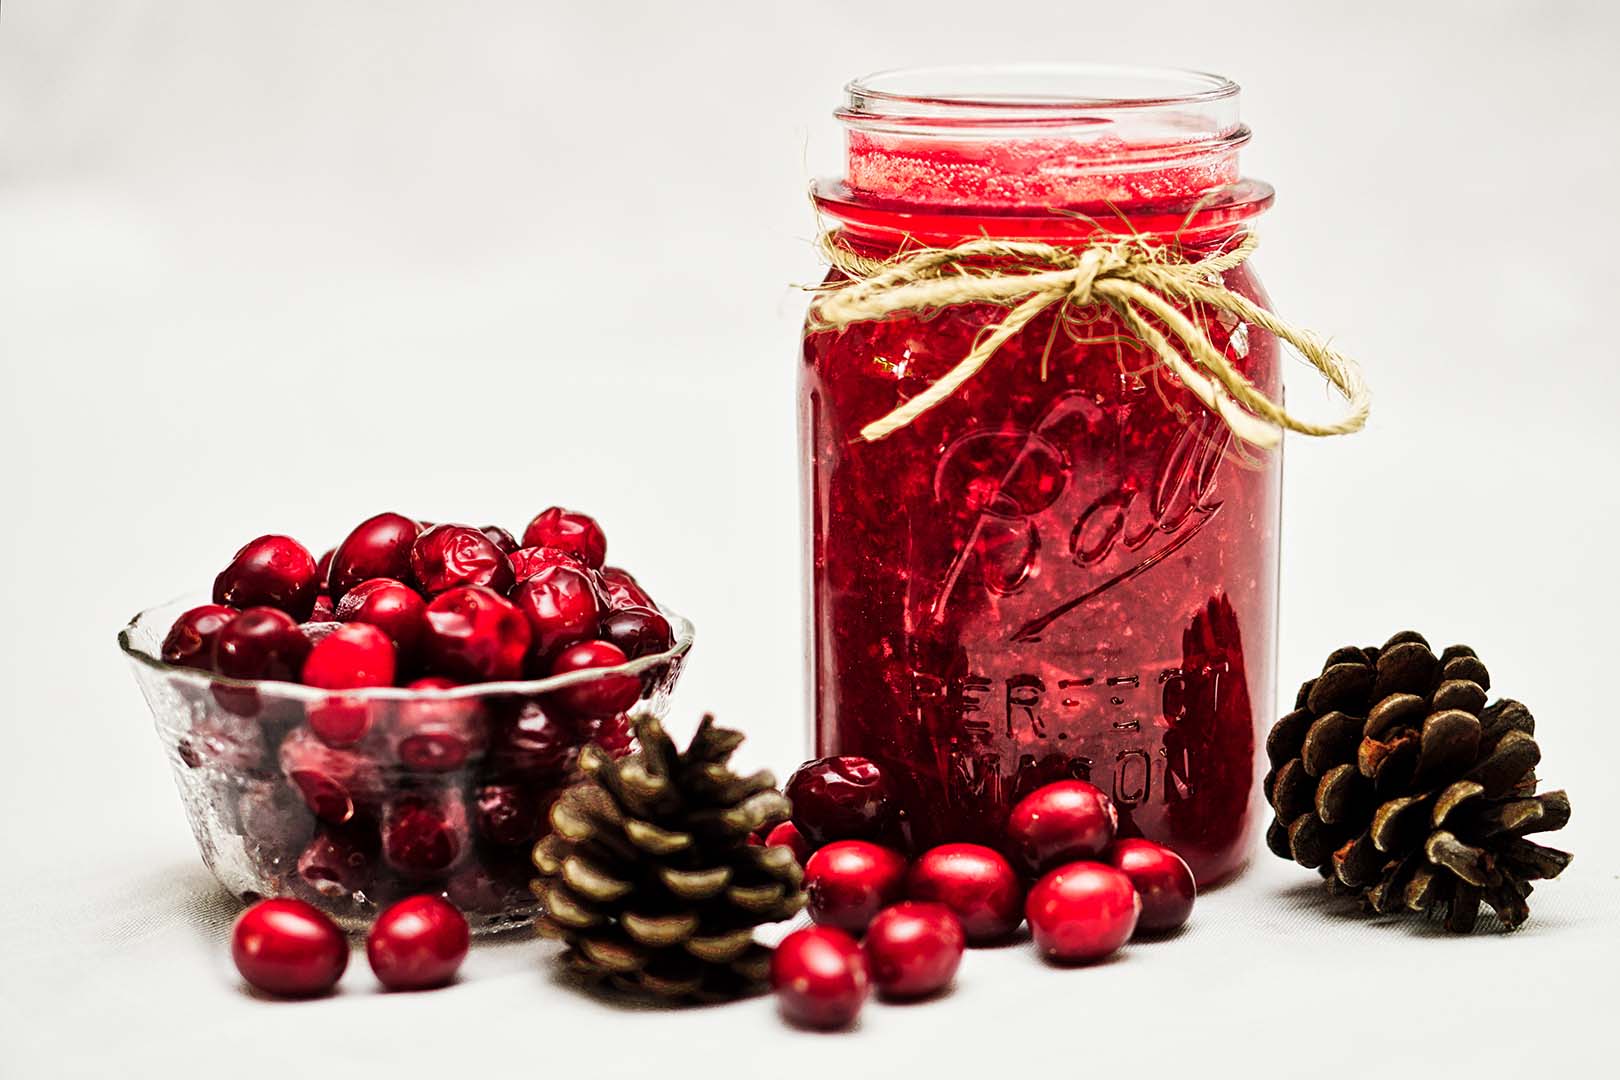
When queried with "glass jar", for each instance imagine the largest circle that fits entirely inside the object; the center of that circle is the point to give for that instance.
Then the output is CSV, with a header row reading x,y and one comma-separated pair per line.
x,y
1068,568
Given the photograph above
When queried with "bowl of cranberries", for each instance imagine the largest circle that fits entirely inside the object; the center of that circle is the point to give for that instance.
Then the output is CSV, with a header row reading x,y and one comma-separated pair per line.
x,y
396,716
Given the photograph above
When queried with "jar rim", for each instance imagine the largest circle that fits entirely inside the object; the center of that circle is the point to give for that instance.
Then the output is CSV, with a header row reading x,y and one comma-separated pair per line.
x,y
1025,93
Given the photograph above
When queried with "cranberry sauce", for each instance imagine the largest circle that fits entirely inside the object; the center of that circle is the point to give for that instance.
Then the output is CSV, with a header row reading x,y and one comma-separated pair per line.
x,y
1066,570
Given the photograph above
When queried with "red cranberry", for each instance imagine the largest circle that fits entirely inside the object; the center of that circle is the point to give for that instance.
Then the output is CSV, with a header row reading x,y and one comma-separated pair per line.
x,y
424,834
337,785
606,695
261,643
323,568
1162,879
637,631
1061,822
451,556
787,835
569,531
353,656
914,949
190,641
271,571
433,734
474,633
507,815
1082,911
562,605
840,798
338,863
379,547
288,948
976,883
392,606
529,561
500,538
538,744
819,975
324,610
850,881
623,591
417,944
613,734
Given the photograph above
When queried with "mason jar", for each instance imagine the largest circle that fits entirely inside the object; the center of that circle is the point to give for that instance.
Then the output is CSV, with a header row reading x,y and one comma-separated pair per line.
x,y
1068,567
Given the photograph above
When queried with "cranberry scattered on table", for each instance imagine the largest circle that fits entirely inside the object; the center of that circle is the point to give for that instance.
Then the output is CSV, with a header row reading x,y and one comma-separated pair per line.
x,y
1162,879
913,949
1059,823
840,798
787,835
850,881
975,882
820,977
1096,892
288,948
1082,912
417,944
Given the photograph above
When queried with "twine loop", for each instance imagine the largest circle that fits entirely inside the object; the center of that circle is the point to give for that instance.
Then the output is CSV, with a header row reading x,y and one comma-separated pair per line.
x,y
1147,285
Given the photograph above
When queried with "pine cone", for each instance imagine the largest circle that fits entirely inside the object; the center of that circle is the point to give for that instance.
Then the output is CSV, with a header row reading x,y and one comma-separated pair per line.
x,y
649,876
1396,781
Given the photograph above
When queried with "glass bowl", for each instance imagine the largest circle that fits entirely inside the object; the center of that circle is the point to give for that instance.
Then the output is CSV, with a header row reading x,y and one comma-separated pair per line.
x,y
447,792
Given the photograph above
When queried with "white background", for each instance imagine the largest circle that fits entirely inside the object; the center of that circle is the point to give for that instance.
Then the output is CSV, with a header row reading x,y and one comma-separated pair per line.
x,y
277,267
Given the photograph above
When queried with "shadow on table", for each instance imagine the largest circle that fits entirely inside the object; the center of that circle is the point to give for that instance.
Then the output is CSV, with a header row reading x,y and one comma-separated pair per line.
x,y
1313,898
561,976
182,893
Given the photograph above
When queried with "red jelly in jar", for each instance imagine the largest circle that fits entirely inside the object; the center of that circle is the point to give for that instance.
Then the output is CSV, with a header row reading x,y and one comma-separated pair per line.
x,y
1068,567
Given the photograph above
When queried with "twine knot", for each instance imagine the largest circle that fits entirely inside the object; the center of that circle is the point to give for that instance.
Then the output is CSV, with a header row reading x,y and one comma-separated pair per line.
x,y
1085,274
1144,283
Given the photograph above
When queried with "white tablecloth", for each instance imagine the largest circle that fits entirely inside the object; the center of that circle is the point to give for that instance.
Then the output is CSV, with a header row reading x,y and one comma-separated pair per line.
x,y
133,978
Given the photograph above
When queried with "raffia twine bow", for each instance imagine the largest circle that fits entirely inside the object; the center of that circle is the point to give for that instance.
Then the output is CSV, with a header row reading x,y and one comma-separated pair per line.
x,y
1144,283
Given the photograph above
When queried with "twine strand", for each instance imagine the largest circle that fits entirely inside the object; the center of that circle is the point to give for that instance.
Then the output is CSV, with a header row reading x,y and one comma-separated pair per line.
x,y
1145,284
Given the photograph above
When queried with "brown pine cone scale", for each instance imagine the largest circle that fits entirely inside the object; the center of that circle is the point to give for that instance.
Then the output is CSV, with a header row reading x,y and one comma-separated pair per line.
x,y
1397,781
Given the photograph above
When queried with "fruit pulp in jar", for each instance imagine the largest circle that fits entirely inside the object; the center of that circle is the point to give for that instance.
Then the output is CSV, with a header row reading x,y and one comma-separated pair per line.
x,y
1066,569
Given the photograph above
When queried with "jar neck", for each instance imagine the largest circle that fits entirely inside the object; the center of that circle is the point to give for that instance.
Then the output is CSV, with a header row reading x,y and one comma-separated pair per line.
x,y
939,154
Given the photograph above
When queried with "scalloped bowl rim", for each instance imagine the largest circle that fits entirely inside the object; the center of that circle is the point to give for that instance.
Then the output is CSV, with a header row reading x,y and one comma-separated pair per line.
x,y
681,626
